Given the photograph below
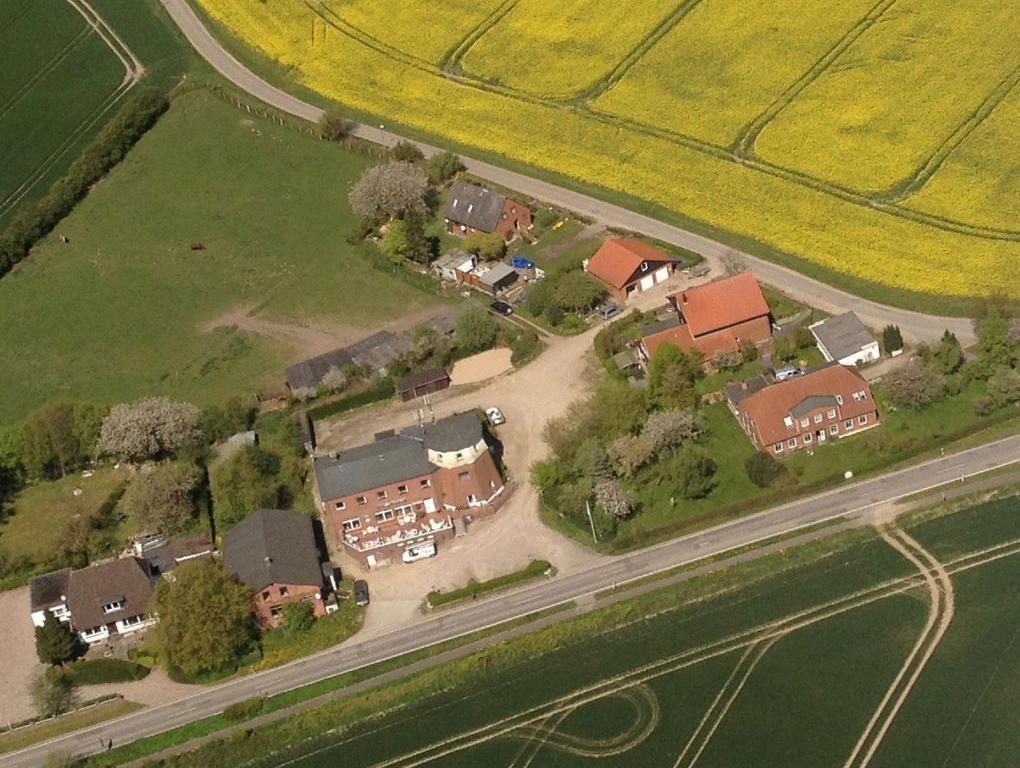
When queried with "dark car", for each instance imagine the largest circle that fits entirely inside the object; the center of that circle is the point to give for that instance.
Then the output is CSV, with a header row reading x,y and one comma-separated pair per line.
x,y
361,592
501,307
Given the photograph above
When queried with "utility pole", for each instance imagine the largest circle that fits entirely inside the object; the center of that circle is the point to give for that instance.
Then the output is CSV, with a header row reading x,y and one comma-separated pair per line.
x,y
587,507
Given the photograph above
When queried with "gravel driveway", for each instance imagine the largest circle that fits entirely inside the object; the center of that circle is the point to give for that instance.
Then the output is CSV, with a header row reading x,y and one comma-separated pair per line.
x,y
17,639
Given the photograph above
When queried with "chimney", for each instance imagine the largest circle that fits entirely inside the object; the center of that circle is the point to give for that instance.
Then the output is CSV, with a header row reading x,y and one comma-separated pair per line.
x,y
683,297
269,560
743,386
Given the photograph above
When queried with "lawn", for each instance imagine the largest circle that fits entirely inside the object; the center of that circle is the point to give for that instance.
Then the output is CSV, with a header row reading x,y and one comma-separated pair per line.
x,y
631,683
883,249
60,83
125,309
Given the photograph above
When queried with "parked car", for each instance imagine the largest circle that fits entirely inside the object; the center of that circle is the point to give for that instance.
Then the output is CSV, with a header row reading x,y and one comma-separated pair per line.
x,y
495,416
421,552
361,592
608,311
501,307
787,372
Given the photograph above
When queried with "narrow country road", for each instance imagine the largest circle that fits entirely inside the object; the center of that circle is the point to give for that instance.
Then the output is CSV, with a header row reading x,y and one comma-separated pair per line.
x,y
855,502
817,294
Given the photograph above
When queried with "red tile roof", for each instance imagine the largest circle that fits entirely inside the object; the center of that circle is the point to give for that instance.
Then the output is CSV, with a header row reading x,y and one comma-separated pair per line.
x,y
722,303
768,408
709,345
618,259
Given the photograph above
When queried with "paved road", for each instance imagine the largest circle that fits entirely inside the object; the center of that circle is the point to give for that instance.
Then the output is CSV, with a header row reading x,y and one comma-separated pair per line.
x,y
913,324
855,501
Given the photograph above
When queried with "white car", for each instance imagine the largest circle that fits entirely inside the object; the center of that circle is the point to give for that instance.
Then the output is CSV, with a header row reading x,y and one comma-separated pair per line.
x,y
495,416
421,552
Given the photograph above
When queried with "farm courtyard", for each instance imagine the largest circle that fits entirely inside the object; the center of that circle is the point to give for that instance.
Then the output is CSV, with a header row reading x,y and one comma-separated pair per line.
x,y
886,649
868,144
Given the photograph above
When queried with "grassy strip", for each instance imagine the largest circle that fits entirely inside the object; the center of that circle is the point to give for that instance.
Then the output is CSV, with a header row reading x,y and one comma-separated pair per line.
x,y
99,671
533,570
954,306
74,721
299,696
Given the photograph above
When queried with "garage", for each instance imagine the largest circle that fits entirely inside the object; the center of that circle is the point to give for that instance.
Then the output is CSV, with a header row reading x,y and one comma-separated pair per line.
x,y
661,274
647,282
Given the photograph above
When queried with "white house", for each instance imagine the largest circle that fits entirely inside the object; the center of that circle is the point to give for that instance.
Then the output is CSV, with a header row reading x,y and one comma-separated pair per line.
x,y
844,339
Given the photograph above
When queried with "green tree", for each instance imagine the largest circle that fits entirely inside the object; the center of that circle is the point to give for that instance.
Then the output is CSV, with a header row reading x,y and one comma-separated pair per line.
x,y
629,453
476,330
996,348
419,247
488,247
406,152
244,482
53,692
695,471
443,166
554,315
58,437
539,298
892,339
162,497
334,125
947,356
671,377
913,384
55,643
298,618
395,243
578,291
1004,386
205,620
618,408
763,470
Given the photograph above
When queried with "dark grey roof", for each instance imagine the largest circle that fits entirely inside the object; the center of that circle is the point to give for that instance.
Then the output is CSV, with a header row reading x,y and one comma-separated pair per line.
x,y
308,373
736,391
454,433
812,403
48,590
273,546
661,325
166,554
370,466
121,581
497,274
393,459
414,380
474,206
842,335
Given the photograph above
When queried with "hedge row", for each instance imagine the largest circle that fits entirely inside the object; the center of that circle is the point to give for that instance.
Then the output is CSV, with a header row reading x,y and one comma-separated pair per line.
x,y
533,570
107,149
381,391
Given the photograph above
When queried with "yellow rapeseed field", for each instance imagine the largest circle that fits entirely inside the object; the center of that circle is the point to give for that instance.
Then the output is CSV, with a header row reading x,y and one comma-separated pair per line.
x,y
558,49
821,226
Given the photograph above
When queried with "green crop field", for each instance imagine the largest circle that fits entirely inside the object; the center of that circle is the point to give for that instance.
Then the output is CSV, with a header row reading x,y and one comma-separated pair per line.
x,y
866,142
60,79
127,309
885,651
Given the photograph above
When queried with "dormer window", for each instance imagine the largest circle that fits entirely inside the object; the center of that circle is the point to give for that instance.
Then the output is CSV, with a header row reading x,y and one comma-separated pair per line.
x,y
113,607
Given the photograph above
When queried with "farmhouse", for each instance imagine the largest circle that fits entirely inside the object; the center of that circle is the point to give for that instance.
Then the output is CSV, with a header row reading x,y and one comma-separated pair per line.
x,y
273,553
110,599
407,489
471,208
844,339
422,383
628,266
715,319
828,403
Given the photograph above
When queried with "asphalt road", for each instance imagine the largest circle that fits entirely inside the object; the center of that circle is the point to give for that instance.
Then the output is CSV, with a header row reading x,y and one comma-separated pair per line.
x,y
913,324
854,501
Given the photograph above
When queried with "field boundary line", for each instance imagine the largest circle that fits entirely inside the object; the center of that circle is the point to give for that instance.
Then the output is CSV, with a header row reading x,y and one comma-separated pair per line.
x,y
782,626
451,62
755,653
943,608
743,144
919,179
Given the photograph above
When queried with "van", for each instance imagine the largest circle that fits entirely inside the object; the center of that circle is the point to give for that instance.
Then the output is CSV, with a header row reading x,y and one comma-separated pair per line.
x,y
787,372
421,552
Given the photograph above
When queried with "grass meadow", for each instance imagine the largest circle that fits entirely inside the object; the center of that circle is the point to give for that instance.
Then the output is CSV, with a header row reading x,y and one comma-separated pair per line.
x,y
804,211
59,83
123,309
714,671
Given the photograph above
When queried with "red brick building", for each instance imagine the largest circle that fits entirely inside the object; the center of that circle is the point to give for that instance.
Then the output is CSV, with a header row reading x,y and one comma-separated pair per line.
x,y
471,208
828,403
627,266
715,318
409,489
273,553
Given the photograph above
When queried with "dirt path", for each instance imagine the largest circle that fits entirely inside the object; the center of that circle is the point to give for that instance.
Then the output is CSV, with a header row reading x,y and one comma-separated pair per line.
x,y
481,367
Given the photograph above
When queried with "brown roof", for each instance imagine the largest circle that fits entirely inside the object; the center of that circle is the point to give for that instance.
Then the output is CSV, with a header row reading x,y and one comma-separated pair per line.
x,y
768,408
617,260
89,589
721,303
412,381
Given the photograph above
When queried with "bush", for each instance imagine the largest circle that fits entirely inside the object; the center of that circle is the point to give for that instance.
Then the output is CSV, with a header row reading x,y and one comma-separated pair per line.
x,y
334,125
892,339
443,167
244,710
298,617
382,390
98,671
545,218
136,117
763,470
406,152
695,473
554,314
524,346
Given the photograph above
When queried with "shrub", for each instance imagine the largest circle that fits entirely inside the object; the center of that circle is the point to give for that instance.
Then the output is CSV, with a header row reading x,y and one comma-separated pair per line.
x,y
763,470
545,218
244,710
554,314
334,125
443,167
914,384
53,692
97,671
298,617
892,339
695,472
406,152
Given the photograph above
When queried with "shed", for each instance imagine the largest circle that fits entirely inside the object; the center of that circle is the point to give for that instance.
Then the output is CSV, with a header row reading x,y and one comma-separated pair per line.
x,y
499,277
422,383
846,340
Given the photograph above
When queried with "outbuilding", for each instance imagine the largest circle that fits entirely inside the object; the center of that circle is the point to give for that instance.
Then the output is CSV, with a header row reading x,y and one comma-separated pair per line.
x,y
844,339
422,383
